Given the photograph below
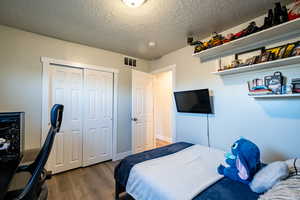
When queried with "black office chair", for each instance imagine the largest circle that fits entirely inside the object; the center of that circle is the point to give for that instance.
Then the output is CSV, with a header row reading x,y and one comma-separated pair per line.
x,y
36,183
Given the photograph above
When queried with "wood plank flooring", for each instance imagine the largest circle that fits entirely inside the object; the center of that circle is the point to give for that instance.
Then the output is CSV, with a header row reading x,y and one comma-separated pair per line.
x,y
161,143
91,183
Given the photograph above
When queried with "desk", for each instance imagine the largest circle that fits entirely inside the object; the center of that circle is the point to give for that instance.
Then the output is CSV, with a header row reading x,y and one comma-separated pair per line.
x,y
7,171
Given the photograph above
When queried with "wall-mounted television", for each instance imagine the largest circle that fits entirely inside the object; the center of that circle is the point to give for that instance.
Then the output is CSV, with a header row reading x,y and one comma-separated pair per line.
x,y
193,101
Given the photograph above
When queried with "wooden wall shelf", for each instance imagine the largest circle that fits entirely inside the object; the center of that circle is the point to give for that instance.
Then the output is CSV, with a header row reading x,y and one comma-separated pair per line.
x,y
271,35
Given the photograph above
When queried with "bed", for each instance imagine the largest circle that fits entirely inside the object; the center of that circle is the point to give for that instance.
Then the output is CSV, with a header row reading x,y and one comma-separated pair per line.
x,y
223,189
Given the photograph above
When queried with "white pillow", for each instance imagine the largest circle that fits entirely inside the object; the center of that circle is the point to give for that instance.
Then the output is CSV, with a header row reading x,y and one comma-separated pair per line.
x,y
268,176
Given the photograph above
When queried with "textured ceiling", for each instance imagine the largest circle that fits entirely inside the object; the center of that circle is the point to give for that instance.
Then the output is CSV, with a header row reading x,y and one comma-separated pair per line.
x,y
110,25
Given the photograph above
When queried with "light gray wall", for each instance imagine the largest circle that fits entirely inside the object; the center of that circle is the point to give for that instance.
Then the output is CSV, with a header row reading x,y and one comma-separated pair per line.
x,y
21,78
273,124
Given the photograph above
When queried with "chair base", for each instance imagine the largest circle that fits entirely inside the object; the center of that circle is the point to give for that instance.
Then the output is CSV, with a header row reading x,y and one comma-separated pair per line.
x,y
43,195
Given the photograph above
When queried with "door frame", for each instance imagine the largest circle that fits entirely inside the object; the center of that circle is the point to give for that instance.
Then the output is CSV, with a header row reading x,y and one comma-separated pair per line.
x,y
46,63
171,68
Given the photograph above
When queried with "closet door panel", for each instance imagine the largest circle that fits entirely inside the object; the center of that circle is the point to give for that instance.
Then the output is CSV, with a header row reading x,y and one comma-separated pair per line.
x,y
98,117
75,138
90,117
66,88
58,95
107,99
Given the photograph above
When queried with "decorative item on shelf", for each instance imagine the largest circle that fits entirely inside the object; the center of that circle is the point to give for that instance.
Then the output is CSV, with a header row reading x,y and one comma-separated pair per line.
x,y
296,50
216,40
285,51
262,91
234,64
226,67
252,60
191,42
251,28
284,16
200,47
277,14
289,49
282,51
294,12
229,37
276,17
257,87
277,52
259,83
220,68
296,85
265,57
268,20
287,89
237,63
270,85
275,82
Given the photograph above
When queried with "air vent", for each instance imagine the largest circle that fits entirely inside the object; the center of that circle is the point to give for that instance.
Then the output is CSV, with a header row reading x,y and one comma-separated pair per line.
x,y
131,62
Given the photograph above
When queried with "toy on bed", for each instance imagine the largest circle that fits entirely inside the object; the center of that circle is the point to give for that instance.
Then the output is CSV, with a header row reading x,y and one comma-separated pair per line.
x,y
244,161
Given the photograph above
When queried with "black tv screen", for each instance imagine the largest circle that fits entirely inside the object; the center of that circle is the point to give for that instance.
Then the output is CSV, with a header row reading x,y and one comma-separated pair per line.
x,y
194,101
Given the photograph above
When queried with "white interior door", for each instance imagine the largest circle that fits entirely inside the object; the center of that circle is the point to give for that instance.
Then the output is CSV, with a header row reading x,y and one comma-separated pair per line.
x,y
65,87
98,117
142,111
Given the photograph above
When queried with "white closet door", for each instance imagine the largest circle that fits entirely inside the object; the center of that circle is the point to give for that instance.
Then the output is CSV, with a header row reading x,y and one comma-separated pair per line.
x,y
65,87
98,117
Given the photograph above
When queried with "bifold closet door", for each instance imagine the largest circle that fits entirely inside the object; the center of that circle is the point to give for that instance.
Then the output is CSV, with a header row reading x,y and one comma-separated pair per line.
x,y
98,107
66,87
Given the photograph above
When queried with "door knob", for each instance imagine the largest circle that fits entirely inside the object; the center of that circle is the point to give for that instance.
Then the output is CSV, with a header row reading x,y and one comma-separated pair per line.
x,y
134,119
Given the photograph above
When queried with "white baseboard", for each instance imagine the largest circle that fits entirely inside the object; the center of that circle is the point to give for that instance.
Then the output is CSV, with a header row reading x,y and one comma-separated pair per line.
x,y
164,138
122,155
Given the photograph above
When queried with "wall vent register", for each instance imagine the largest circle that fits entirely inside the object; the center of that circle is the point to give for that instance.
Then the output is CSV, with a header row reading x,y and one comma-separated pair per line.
x,y
131,62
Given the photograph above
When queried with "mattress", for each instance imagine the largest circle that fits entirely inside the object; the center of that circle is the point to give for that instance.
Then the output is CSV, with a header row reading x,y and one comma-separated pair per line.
x,y
224,189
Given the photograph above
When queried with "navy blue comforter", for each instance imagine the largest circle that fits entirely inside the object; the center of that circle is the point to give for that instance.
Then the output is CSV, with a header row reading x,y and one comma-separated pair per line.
x,y
227,189
123,169
224,189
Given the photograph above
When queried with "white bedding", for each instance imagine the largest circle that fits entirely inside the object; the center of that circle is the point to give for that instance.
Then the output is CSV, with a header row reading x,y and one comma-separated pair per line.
x,y
179,176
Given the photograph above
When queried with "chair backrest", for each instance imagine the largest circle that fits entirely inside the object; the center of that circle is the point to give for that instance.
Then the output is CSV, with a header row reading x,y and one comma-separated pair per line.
x,y
36,168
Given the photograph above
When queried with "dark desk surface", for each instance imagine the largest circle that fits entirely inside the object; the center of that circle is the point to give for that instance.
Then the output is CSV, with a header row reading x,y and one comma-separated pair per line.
x,y
8,170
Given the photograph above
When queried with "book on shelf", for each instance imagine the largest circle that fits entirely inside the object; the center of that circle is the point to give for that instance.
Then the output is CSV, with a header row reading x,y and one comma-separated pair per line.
x,y
260,92
296,90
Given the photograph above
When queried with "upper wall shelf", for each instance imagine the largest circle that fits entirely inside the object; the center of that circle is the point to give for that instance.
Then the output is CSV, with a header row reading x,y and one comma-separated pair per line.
x,y
265,65
274,34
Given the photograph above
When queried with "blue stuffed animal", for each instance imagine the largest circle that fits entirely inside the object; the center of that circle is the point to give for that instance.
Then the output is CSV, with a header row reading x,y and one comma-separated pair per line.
x,y
244,161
